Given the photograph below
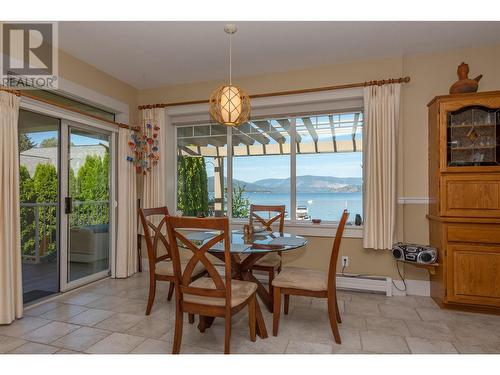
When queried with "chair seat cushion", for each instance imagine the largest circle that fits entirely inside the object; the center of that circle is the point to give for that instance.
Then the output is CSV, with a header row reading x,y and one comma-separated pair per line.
x,y
301,278
240,291
166,268
214,260
269,260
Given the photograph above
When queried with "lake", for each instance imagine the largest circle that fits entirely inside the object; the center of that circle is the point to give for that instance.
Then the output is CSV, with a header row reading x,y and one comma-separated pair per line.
x,y
324,206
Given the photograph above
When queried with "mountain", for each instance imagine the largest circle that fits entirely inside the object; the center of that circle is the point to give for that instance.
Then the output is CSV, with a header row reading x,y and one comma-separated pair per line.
x,y
249,186
305,184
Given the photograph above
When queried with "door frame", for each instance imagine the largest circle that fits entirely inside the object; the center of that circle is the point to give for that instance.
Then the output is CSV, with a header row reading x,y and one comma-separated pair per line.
x,y
64,282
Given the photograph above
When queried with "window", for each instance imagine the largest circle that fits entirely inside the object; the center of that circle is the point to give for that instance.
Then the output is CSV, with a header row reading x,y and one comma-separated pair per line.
x,y
59,99
82,107
261,165
312,164
329,166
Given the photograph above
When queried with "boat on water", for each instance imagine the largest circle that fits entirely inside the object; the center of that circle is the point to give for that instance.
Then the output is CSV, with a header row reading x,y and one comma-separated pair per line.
x,y
302,213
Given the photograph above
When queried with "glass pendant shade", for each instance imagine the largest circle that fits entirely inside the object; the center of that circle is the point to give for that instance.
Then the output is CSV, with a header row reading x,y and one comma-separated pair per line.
x,y
229,105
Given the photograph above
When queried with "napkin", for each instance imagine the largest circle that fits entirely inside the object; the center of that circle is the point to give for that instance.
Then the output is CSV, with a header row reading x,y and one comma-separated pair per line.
x,y
288,241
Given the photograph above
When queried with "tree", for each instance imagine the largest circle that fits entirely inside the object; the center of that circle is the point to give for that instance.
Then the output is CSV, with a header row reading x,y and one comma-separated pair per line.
x,y
88,175
25,143
27,195
192,186
45,184
93,177
92,184
241,204
74,190
49,142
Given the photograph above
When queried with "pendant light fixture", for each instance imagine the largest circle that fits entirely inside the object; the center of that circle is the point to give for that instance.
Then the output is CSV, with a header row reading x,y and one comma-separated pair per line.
x,y
229,105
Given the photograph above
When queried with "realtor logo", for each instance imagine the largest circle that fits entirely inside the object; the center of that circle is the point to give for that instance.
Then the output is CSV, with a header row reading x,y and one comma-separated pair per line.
x,y
29,55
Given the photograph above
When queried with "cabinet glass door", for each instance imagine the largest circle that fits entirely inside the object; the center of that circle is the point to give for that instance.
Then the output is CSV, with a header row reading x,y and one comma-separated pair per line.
x,y
473,137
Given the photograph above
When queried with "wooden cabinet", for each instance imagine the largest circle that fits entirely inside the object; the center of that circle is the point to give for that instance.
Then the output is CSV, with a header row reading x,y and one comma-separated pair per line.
x,y
474,274
470,194
464,199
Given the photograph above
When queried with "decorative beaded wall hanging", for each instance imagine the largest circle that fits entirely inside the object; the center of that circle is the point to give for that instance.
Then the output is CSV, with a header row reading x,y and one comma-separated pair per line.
x,y
145,152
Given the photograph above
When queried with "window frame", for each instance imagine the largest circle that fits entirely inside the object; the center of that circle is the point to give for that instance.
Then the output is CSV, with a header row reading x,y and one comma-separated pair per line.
x,y
292,224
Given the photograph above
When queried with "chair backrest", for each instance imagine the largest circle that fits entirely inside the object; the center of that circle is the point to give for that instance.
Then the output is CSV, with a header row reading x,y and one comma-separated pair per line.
x,y
153,234
278,209
335,251
199,254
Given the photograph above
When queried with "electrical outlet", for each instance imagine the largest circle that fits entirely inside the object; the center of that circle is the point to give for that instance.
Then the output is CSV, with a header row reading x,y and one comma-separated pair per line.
x,y
345,261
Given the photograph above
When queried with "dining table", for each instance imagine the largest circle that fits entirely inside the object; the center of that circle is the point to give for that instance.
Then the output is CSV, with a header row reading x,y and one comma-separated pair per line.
x,y
246,250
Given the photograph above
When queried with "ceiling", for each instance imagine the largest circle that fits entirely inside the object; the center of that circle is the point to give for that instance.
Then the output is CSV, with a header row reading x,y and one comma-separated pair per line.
x,y
153,54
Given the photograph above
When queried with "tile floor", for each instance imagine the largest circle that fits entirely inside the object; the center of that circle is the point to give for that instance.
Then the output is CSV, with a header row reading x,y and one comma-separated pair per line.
x,y
108,317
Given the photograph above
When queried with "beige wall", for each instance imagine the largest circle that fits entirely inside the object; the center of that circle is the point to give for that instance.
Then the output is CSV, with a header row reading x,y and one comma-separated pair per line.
x,y
83,74
297,79
431,75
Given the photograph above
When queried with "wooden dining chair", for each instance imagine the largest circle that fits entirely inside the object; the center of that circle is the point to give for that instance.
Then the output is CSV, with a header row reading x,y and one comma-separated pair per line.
x,y
211,296
160,265
311,283
270,263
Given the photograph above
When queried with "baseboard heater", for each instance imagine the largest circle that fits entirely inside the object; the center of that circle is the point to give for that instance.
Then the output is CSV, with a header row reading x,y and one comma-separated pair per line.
x,y
378,284
359,283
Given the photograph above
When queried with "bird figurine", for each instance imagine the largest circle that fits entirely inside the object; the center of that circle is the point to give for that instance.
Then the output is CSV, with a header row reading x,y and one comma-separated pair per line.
x,y
464,83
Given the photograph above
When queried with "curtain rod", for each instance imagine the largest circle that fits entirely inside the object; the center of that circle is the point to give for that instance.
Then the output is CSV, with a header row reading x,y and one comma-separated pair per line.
x,y
68,108
290,92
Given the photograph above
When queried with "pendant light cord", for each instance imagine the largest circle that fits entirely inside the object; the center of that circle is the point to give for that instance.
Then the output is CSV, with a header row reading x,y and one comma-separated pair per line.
x,y
230,59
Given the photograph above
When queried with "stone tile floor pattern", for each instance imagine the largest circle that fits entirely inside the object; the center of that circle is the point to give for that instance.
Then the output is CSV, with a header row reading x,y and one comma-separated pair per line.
x,y
107,317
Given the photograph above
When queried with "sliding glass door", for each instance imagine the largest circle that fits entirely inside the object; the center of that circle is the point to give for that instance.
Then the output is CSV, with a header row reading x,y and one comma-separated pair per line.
x,y
86,207
39,139
65,197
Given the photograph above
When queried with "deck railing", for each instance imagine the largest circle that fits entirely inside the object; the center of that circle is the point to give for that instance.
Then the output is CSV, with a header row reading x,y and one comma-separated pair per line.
x,y
44,218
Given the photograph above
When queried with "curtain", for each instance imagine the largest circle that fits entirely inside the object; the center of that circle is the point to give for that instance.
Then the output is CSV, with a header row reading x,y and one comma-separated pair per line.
x,y
381,117
11,288
155,181
126,244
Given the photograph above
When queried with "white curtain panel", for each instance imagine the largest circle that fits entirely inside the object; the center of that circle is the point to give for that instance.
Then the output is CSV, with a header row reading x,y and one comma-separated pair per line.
x,y
11,288
126,245
381,117
155,182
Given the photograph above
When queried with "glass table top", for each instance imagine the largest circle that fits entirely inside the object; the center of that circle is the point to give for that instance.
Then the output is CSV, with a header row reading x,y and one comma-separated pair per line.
x,y
255,243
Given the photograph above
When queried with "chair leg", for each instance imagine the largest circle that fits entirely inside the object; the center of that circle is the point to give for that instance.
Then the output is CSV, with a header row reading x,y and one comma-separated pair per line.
x,y
202,323
171,288
252,319
333,320
191,318
276,310
152,292
287,303
177,331
337,312
271,278
227,335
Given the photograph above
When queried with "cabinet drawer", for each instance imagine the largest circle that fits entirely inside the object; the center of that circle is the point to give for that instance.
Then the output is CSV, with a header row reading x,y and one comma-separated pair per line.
x,y
480,233
471,195
474,274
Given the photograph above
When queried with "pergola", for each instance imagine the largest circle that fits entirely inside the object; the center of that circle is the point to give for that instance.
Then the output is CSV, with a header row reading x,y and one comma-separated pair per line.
x,y
313,134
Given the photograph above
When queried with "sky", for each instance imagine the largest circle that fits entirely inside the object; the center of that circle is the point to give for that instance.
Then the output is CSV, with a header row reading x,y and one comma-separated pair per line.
x,y
76,139
254,168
